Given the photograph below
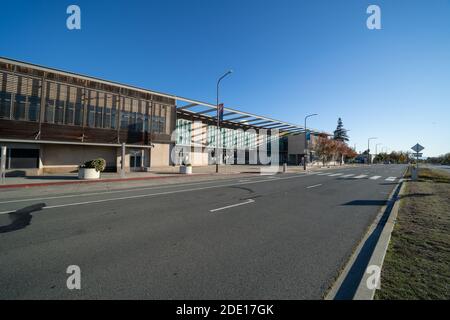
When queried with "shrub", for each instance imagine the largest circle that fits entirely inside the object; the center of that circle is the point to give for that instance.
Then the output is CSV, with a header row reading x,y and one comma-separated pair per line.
x,y
98,164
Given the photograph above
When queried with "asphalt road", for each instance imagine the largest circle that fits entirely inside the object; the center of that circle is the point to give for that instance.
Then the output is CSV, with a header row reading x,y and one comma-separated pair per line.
x,y
259,237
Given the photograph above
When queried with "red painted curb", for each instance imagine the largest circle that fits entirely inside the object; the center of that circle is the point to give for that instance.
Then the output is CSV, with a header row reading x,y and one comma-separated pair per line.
x,y
59,183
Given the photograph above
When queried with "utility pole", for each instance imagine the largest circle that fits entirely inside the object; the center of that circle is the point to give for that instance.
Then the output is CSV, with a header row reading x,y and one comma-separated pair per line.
x,y
376,149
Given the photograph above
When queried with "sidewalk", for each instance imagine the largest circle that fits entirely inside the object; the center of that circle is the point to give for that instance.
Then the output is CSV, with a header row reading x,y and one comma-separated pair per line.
x,y
155,173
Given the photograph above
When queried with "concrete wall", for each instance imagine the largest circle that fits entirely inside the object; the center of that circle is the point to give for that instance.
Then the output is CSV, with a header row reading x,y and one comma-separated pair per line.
x,y
296,144
199,158
57,158
160,155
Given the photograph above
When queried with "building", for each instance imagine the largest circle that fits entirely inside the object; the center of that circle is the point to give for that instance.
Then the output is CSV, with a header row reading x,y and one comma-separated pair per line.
x,y
52,121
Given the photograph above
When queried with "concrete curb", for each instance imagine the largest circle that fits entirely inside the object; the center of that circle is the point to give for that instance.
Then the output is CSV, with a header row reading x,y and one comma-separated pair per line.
x,y
352,282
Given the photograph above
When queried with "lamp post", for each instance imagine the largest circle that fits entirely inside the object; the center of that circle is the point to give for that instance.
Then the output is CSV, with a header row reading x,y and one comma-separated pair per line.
x,y
368,148
306,141
376,149
218,120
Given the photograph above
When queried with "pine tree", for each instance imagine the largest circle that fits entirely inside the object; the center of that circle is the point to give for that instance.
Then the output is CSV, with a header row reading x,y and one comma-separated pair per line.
x,y
340,133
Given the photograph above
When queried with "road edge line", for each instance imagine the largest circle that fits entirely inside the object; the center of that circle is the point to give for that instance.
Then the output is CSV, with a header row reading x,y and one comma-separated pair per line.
x,y
379,251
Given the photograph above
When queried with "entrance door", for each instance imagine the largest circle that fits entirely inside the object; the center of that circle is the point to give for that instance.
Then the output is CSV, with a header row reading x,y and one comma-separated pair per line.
x,y
136,160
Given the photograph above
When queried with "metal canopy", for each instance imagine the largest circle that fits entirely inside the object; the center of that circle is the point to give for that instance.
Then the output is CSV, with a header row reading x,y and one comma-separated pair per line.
x,y
241,118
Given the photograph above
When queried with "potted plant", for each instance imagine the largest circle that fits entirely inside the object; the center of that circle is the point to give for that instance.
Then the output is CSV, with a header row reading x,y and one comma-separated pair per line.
x,y
186,168
91,169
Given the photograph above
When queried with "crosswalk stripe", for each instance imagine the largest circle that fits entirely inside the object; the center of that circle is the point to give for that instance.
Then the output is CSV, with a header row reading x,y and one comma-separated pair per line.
x,y
375,177
335,174
360,176
391,179
348,175
324,174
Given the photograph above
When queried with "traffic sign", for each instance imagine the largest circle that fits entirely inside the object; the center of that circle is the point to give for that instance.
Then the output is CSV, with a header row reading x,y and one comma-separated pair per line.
x,y
417,148
417,155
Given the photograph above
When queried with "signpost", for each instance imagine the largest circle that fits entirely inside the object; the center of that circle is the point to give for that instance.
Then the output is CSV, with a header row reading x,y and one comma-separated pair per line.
x,y
417,148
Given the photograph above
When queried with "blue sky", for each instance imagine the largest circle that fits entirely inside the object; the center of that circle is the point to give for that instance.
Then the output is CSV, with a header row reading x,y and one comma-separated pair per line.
x,y
289,58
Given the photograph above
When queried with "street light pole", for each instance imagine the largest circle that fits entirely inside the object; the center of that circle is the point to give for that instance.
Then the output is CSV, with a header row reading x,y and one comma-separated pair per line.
x,y
218,138
368,148
376,149
306,141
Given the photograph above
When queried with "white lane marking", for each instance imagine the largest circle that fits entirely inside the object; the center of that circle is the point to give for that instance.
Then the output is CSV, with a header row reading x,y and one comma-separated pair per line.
x,y
375,177
360,176
233,205
324,174
335,174
391,179
401,180
114,191
348,175
314,186
158,193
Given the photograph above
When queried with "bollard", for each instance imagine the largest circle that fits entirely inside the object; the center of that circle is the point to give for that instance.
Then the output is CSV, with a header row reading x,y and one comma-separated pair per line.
x,y
414,173
284,167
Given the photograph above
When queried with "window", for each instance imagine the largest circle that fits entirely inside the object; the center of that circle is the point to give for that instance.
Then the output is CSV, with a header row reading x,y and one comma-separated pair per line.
x,y
159,119
115,101
99,109
60,102
184,132
34,107
19,97
92,102
125,113
20,106
211,136
79,109
50,102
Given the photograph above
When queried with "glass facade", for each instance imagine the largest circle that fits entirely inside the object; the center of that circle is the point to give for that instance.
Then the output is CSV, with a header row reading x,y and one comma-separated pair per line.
x,y
184,132
20,97
77,105
232,138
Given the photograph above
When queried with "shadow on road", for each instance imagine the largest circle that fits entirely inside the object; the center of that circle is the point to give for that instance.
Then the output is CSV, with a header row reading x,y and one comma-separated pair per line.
x,y
366,203
21,218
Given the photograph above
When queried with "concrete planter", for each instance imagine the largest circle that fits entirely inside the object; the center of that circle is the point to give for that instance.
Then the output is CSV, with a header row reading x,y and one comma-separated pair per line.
x,y
186,169
88,173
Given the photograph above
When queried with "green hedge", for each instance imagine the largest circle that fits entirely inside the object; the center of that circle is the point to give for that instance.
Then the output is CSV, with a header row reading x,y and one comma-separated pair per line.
x,y
98,164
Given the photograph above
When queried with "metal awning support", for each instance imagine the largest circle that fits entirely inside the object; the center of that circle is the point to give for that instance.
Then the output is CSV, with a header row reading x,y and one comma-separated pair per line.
x,y
253,120
260,123
191,105
206,111
280,126
237,118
